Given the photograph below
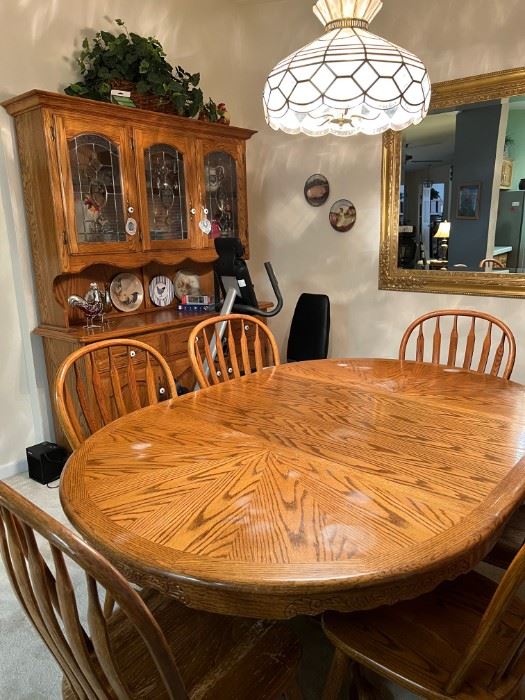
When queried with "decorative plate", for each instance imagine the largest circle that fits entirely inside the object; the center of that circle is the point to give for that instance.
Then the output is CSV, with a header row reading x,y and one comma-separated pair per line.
x,y
126,292
316,190
161,290
186,283
342,215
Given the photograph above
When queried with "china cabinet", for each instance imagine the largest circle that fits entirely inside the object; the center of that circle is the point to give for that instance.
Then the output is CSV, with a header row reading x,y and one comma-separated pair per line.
x,y
110,189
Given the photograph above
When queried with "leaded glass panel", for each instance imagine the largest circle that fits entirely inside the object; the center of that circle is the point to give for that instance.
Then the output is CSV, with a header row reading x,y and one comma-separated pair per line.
x,y
221,192
166,193
97,189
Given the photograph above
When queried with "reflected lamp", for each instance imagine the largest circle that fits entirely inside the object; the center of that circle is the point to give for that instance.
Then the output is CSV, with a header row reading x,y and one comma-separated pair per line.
x,y
443,233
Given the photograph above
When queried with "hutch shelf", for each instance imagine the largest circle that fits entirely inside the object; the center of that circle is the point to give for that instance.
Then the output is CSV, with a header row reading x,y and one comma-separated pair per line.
x,y
111,189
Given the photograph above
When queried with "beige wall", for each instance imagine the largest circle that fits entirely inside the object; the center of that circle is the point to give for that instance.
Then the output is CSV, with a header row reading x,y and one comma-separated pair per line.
x,y
234,45
454,39
38,39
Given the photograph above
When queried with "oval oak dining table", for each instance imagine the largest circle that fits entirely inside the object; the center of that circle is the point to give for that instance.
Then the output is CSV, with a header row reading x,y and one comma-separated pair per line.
x,y
335,484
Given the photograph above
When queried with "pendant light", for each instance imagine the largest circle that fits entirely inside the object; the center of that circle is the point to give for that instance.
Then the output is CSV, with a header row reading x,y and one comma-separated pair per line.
x,y
349,81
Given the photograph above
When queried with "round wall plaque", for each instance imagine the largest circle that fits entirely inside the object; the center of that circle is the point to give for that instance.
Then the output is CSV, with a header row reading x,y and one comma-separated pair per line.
x,y
316,190
342,215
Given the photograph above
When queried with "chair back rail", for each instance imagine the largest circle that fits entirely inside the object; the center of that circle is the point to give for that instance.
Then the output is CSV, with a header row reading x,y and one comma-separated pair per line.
x,y
248,345
513,664
496,338
49,601
103,381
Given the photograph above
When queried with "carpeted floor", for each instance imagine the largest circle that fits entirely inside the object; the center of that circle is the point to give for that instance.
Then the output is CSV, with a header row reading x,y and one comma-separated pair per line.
x,y
28,672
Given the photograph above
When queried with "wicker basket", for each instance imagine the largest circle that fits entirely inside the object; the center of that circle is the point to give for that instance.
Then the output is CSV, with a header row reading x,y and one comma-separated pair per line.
x,y
144,101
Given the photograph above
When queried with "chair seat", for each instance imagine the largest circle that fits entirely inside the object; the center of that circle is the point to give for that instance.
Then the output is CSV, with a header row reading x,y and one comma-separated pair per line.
x,y
419,643
218,657
510,541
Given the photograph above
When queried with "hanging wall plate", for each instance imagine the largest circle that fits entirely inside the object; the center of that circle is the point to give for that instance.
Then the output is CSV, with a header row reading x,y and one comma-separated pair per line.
x,y
316,190
342,215
161,290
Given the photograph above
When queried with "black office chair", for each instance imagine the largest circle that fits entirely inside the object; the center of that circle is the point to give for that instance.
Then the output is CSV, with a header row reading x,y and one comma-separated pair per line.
x,y
310,330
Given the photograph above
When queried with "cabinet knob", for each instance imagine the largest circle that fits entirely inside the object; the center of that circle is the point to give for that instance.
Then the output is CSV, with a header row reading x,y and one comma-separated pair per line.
x,y
131,210
193,211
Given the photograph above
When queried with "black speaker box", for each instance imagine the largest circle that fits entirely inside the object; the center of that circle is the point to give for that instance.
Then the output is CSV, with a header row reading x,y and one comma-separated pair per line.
x,y
46,461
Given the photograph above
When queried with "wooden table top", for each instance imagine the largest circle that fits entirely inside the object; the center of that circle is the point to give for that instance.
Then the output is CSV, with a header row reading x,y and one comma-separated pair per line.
x,y
338,484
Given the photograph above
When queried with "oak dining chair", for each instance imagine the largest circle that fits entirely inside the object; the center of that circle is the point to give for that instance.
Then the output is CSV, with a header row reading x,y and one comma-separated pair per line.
x,y
495,354
489,345
247,346
510,542
463,640
108,379
153,646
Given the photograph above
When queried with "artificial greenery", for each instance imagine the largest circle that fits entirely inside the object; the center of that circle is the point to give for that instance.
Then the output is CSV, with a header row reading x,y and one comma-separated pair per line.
x,y
138,59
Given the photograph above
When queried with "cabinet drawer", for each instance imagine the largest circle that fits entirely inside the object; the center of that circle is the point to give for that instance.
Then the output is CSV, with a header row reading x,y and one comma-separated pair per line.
x,y
177,341
120,353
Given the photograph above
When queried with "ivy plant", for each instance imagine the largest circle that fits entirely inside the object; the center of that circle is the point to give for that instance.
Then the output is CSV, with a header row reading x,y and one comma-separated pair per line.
x,y
140,60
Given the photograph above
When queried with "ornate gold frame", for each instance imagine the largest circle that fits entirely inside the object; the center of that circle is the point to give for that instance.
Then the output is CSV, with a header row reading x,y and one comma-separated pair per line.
x,y
478,88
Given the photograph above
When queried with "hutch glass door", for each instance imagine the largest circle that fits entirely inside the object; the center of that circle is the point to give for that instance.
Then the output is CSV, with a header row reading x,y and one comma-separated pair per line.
x,y
99,196
223,180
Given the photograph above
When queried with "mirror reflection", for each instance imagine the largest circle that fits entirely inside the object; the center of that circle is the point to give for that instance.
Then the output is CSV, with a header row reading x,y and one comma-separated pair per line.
x,y
462,190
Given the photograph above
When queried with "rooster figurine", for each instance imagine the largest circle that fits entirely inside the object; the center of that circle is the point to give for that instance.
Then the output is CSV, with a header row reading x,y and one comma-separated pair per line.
x,y
92,305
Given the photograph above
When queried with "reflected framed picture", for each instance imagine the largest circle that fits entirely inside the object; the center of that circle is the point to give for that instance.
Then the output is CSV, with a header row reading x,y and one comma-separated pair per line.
x,y
468,201
316,190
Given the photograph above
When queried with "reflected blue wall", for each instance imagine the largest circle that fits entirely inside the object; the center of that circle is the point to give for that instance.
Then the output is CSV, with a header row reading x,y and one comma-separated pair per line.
x,y
475,156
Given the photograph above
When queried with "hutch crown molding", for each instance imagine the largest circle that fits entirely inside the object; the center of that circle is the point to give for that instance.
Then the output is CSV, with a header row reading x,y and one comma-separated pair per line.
x,y
110,189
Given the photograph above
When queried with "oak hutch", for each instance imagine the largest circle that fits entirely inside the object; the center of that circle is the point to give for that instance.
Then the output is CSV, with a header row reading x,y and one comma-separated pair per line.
x,y
88,169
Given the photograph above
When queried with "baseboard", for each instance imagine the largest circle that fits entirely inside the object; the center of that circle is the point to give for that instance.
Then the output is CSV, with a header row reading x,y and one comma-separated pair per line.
x,y
12,468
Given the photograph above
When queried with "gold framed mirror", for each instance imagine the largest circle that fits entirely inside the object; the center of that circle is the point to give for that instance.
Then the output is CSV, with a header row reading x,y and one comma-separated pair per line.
x,y
453,192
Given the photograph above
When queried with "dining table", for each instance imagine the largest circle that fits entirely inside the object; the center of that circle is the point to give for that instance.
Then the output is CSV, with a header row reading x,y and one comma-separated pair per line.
x,y
339,484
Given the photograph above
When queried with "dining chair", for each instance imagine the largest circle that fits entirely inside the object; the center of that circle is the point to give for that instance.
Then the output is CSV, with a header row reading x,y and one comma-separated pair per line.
x,y
108,379
510,542
247,345
310,329
463,640
153,646
496,344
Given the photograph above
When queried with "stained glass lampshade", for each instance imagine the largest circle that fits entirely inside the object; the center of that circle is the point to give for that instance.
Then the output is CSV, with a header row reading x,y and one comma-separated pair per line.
x,y
349,81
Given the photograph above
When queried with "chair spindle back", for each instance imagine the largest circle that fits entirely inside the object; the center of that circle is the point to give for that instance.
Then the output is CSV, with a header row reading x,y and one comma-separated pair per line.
x,y
103,381
247,346
513,665
50,601
490,346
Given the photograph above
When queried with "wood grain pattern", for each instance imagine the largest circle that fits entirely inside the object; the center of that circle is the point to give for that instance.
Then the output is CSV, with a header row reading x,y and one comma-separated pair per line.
x,y
234,359
152,647
305,487
464,640
498,348
91,398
